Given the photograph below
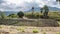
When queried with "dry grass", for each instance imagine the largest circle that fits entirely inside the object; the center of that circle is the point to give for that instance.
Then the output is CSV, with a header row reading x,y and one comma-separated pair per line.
x,y
28,30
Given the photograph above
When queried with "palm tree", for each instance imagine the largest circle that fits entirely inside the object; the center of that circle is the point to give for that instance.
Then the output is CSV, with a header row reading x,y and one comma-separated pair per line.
x,y
46,10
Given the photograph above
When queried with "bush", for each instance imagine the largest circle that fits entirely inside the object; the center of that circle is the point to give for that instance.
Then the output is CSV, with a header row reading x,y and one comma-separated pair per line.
x,y
3,15
0,27
58,33
20,14
21,29
44,32
12,16
37,16
35,31
58,22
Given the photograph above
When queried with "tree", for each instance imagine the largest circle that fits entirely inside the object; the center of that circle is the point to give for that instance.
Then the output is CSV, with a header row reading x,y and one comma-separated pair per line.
x,y
20,14
32,11
2,15
41,10
46,10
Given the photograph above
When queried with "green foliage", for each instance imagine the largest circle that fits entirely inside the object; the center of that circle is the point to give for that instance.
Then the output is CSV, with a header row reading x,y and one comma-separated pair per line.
x,y
32,11
2,15
58,33
21,29
54,15
58,22
0,27
12,16
46,11
35,15
44,32
41,10
20,14
35,31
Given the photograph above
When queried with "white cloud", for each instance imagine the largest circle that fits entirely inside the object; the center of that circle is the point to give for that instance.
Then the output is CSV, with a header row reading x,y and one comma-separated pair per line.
x,y
16,5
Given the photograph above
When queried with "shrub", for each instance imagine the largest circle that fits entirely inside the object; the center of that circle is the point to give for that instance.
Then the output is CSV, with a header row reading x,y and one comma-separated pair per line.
x,y
35,31
3,15
20,14
41,16
44,32
12,15
21,29
58,33
37,16
58,22
0,27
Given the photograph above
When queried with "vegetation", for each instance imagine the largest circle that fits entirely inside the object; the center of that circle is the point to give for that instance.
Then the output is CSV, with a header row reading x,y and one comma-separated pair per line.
x,y
21,29
58,22
58,33
45,10
12,16
44,32
41,10
0,27
44,13
20,14
2,15
35,31
32,11
36,15
51,15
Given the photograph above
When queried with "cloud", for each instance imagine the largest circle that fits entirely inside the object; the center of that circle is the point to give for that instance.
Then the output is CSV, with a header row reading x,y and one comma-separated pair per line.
x,y
17,5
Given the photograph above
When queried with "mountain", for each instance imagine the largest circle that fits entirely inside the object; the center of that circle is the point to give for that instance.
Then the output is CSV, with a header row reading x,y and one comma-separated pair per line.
x,y
37,9
54,9
8,12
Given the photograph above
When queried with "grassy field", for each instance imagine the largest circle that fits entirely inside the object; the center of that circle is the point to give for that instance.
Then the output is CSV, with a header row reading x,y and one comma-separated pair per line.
x,y
50,14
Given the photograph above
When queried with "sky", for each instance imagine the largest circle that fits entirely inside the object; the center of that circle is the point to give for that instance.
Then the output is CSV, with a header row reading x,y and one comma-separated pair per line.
x,y
23,5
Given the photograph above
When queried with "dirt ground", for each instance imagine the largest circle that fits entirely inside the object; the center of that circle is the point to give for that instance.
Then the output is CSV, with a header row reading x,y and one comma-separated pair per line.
x,y
5,29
